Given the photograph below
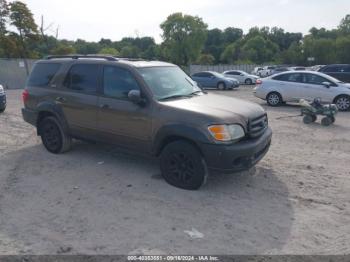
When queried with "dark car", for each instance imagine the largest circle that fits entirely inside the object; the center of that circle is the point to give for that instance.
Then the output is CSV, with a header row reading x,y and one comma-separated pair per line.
x,y
145,106
214,80
338,71
2,99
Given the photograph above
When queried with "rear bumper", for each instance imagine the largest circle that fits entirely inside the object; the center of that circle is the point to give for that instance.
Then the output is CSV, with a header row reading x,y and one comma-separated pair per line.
x,y
237,157
2,101
30,116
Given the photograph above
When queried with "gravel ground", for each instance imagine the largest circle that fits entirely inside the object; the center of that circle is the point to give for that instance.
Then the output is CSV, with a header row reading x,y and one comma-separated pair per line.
x,y
97,199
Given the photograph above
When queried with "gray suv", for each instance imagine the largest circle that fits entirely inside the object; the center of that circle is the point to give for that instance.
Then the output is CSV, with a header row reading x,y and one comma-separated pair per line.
x,y
145,106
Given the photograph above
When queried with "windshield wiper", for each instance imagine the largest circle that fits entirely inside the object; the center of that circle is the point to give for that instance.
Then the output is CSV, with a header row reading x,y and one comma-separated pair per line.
x,y
175,96
198,91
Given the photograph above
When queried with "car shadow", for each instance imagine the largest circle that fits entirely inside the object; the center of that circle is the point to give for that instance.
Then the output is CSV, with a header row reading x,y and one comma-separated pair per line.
x,y
98,199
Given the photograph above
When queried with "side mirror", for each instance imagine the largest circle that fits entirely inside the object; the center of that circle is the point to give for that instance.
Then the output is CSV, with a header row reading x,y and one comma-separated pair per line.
x,y
326,84
135,97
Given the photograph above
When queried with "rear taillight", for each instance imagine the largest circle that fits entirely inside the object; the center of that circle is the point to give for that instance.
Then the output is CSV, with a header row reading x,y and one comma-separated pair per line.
x,y
25,96
258,82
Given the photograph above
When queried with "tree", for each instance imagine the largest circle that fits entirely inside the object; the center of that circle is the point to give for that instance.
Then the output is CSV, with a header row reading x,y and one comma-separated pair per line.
x,y
63,50
4,13
344,26
322,49
232,34
259,50
130,52
184,37
22,19
109,51
343,49
205,59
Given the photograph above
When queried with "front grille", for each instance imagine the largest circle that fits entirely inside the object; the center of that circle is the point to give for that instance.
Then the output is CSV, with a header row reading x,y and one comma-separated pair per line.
x,y
257,126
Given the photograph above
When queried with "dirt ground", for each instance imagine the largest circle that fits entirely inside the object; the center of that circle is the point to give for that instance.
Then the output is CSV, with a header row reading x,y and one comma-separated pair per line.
x,y
97,199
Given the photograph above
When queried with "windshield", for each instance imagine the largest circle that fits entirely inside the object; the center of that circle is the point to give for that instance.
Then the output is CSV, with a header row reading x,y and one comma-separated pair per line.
x,y
167,82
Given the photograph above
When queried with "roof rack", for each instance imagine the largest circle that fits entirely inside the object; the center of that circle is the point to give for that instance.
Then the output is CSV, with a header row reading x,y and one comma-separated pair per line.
x,y
108,58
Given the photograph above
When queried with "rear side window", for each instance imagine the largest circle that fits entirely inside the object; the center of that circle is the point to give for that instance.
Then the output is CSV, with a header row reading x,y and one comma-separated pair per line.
x,y
42,74
289,77
330,69
118,82
83,77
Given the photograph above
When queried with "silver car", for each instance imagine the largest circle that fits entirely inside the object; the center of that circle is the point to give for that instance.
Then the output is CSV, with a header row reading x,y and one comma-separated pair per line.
x,y
295,85
241,76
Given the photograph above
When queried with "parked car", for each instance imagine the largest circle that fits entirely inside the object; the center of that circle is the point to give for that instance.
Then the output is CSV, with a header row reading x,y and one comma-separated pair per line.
x,y
256,70
146,106
214,80
339,71
278,70
241,76
293,86
298,68
2,99
266,71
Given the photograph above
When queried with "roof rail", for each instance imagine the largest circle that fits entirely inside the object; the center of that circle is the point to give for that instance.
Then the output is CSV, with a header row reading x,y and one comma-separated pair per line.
x,y
108,58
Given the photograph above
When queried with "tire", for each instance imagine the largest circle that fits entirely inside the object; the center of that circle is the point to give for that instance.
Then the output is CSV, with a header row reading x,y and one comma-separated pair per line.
x,y
183,166
53,137
343,102
332,119
248,81
221,86
274,99
2,110
326,121
308,119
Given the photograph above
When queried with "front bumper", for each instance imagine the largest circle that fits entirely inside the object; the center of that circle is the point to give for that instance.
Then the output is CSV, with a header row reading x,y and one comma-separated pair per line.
x,y
2,101
239,156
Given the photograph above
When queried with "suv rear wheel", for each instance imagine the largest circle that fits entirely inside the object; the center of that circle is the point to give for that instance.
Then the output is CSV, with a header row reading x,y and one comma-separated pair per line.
x,y
183,166
53,137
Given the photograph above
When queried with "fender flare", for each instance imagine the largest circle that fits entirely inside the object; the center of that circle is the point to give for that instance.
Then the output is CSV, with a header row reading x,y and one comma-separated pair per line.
x,y
55,110
173,132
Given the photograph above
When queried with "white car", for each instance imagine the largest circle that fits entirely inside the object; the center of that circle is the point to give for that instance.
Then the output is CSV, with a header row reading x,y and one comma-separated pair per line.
x,y
295,85
241,76
266,71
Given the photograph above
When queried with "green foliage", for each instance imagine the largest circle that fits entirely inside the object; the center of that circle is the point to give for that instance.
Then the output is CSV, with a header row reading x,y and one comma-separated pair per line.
x,y
109,51
186,40
184,37
205,59
4,13
259,50
63,50
342,46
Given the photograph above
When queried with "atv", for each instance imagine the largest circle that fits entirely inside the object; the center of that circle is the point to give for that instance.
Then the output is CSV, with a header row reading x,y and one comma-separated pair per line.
x,y
310,110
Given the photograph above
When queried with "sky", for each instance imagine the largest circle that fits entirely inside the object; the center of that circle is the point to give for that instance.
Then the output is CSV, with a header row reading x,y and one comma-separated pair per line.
x,y
115,19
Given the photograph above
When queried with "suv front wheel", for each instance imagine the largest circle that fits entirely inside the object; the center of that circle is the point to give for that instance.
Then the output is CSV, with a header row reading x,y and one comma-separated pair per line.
x,y
183,166
53,137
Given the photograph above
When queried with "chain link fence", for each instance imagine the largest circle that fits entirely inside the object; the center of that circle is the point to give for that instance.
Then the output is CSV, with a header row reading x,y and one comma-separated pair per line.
x,y
13,73
221,68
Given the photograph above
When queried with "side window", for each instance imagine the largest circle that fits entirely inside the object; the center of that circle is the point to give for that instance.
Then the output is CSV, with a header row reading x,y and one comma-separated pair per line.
x,y
199,75
42,74
289,77
314,79
331,69
117,82
206,75
347,69
83,77
294,78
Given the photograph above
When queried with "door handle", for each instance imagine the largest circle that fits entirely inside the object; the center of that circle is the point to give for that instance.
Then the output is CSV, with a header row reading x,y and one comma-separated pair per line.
x,y
104,106
60,99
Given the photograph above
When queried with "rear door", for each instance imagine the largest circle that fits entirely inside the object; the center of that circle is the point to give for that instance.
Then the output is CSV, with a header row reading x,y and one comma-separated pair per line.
x,y
119,120
78,98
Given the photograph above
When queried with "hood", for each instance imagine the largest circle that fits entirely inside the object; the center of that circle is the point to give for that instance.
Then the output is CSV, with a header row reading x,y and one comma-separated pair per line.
x,y
218,108
347,85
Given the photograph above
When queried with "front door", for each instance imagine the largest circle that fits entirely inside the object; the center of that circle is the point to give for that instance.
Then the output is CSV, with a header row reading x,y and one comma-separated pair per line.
x,y
313,88
119,120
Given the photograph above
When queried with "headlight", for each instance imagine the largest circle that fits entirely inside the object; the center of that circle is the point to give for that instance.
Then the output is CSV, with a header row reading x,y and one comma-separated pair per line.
x,y
1,89
226,132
